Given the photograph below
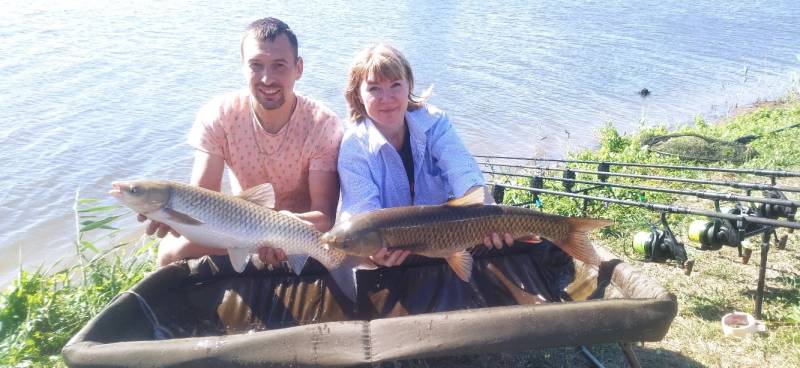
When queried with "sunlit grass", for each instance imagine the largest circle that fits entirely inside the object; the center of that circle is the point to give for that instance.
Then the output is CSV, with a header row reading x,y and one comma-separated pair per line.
x,y
43,309
720,283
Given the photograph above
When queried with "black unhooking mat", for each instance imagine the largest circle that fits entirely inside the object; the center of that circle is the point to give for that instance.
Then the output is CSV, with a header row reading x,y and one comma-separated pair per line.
x,y
202,313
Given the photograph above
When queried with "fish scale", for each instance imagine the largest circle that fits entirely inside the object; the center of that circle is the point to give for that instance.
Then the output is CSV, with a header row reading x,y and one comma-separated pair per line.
x,y
447,230
218,220
256,226
442,230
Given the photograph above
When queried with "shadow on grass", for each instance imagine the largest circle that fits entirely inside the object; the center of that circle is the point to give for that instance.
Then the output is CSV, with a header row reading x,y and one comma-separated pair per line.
x,y
788,291
610,355
783,290
709,309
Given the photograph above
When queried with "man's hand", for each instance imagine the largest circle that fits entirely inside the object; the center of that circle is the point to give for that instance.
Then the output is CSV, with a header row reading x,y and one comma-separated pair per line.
x,y
387,258
157,228
271,256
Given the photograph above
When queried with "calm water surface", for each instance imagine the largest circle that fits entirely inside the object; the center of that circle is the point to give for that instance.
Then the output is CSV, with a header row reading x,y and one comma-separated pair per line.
x,y
95,91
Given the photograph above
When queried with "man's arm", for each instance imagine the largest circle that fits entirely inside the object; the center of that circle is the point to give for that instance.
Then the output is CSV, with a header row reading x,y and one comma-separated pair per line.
x,y
207,171
323,187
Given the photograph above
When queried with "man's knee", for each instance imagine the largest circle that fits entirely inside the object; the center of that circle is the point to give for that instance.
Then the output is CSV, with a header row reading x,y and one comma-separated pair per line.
x,y
170,249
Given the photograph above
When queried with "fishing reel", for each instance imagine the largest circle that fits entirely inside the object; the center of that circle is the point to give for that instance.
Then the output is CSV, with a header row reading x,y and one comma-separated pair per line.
x,y
774,211
661,245
712,234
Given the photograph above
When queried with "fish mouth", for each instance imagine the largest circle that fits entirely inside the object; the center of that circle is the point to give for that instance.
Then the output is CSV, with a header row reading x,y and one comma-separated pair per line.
x,y
117,188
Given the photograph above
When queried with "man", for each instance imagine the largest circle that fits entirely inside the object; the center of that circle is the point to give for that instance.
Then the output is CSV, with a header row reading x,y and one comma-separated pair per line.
x,y
265,134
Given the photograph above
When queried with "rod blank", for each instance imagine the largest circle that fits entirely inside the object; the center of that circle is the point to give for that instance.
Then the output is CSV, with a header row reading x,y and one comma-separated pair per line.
x,y
661,207
769,173
732,184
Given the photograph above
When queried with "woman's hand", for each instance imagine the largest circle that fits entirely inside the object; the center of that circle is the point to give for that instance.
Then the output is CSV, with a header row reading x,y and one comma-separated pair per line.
x,y
495,241
387,258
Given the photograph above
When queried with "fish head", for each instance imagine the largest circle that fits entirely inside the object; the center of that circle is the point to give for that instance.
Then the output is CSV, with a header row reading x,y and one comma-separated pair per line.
x,y
359,242
142,196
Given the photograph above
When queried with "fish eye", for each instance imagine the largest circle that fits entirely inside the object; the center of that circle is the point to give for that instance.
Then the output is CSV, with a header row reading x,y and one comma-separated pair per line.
x,y
134,190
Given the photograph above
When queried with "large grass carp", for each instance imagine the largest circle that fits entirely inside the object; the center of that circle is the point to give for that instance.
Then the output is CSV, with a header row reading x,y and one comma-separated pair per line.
x,y
240,224
446,231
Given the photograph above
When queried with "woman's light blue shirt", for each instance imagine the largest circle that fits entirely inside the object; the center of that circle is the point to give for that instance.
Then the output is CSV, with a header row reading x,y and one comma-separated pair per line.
x,y
372,173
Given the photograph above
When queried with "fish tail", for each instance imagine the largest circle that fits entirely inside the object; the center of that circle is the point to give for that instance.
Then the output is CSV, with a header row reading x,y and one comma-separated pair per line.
x,y
577,243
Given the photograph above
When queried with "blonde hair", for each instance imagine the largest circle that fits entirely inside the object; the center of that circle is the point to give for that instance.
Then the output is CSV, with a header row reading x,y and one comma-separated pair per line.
x,y
383,61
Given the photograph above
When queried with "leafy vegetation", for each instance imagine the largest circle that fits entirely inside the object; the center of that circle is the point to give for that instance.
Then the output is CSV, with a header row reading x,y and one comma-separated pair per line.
x,y
43,309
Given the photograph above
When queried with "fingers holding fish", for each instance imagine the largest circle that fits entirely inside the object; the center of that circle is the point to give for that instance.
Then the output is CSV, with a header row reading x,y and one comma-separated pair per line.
x,y
387,258
509,239
156,228
496,241
272,257
533,239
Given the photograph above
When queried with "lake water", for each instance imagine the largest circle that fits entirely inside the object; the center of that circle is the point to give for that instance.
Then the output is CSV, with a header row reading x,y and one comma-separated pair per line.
x,y
98,91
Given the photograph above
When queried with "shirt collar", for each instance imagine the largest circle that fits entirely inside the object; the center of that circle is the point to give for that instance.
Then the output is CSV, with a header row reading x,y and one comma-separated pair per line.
x,y
375,138
419,122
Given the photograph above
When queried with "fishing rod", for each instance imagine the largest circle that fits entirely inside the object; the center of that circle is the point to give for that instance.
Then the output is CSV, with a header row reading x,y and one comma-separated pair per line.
x,y
758,172
661,207
601,174
777,203
725,228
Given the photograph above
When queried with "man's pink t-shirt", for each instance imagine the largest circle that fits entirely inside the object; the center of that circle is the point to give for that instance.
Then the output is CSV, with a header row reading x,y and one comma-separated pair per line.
x,y
308,142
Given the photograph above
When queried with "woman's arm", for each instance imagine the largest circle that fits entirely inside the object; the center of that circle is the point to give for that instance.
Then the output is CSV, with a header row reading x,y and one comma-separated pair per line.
x,y
457,165
461,172
360,192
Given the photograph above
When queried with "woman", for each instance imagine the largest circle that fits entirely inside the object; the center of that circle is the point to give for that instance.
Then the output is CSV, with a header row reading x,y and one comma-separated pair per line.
x,y
399,150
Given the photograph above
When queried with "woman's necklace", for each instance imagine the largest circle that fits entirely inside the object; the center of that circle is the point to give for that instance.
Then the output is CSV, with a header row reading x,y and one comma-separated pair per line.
x,y
285,133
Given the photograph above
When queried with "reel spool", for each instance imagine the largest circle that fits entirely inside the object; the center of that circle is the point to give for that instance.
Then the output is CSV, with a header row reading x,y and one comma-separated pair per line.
x,y
661,245
712,234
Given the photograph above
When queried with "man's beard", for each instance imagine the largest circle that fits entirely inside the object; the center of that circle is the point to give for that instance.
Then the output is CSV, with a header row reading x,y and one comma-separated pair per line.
x,y
271,104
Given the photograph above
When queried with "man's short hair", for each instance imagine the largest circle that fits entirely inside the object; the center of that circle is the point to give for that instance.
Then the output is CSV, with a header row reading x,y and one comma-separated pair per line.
x,y
269,29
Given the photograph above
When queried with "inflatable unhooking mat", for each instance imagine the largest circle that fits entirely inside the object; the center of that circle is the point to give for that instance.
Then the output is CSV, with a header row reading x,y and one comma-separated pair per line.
x,y
202,313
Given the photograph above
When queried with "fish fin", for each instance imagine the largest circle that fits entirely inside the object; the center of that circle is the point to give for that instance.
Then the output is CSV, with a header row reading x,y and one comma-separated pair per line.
x,y
262,195
342,269
474,197
461,263
181,218
577,244
297,262
238,258
345,277
366,264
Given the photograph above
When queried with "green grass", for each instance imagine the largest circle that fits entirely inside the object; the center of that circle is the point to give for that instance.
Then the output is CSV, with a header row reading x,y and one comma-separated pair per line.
x,y
43,309
720,283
